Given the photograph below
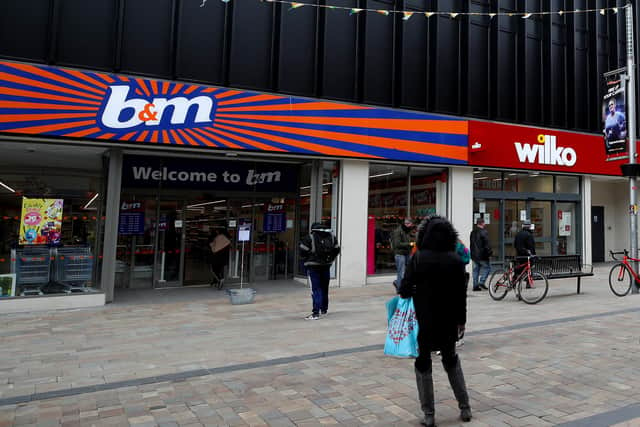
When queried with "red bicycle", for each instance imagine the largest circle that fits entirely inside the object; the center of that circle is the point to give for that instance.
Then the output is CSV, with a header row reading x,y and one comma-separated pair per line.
x,y
529,285
622,274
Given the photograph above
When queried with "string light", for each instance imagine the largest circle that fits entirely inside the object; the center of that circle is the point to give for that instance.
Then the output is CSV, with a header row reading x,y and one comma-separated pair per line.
x,y
407,14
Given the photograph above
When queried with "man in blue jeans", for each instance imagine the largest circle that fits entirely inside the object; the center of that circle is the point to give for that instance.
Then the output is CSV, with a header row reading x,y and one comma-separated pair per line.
x,y
480,254
401,243
318,250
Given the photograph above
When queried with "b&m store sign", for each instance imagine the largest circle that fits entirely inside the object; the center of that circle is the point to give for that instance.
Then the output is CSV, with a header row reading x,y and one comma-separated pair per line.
x,y
42,100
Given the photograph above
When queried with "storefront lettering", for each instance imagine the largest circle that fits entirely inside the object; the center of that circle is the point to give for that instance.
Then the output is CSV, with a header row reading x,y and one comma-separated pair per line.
x,y
122,113
546,152
147,173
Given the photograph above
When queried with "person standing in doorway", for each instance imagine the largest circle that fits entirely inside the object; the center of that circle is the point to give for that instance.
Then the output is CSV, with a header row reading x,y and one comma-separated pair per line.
x,y
401,244
480,254
318,250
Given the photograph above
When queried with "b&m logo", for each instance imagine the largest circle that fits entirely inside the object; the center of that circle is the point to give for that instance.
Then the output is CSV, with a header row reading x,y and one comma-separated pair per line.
x,y
546,152
123,110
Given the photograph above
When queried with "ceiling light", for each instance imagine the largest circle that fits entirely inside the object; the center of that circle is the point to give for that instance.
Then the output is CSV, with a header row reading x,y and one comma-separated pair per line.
x,y
7,187
205,204
381,174
89,202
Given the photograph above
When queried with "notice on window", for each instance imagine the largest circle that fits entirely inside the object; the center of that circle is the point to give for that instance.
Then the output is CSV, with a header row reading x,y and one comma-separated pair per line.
x,y
41,221
564,223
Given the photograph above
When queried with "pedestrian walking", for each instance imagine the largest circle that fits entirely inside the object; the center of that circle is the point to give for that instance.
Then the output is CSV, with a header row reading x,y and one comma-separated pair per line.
x,y
220,245
480,254
435,279
401,243
318,250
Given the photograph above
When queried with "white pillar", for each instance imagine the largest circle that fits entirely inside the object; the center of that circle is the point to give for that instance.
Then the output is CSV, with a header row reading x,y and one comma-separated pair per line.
x,y
354,206
586,220
460,201
114,183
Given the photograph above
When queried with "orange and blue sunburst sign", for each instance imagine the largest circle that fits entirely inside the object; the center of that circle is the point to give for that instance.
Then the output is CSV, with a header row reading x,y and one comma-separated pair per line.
x,y
60,102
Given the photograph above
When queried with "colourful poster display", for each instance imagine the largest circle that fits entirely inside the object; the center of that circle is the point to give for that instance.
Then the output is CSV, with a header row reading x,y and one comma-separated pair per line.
x,y
41,221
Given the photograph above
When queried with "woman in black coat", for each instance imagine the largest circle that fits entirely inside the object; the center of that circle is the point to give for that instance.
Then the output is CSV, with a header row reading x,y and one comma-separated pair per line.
x,y
435,279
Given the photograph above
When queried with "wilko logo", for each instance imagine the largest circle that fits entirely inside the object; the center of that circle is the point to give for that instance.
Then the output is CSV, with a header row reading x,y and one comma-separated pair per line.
x,y
124,112
546,152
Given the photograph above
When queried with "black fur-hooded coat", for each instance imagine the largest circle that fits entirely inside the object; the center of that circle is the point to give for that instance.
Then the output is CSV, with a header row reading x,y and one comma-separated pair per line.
x,y
435,279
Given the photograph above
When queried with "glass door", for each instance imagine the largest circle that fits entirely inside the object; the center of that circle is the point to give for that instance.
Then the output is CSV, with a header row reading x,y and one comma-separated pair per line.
x,y
515,211
203,220
542,221
489,210
169,228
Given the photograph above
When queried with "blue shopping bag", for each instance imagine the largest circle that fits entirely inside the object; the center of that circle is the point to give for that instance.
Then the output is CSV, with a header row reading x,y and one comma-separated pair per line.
x,y
402,328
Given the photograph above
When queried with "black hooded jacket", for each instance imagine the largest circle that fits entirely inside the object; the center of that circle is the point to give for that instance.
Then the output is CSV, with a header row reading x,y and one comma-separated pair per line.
x,y
435,279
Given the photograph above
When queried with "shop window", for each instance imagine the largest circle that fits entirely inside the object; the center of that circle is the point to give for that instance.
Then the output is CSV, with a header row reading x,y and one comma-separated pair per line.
x,y
567,184
423,192
528,183
395,193
50,220
388,206
487,180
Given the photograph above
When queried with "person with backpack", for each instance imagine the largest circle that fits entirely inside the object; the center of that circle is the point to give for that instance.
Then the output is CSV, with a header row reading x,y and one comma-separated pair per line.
x,y
318,250
480,254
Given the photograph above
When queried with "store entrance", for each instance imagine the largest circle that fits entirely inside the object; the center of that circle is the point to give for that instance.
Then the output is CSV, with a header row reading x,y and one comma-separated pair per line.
x,y
170,244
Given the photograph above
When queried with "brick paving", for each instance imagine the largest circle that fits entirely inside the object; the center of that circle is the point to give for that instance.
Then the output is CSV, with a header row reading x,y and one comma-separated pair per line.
x,y
188,358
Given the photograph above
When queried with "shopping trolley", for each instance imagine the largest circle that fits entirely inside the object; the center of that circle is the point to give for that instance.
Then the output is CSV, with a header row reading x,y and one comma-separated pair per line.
x,y
32,267
73,269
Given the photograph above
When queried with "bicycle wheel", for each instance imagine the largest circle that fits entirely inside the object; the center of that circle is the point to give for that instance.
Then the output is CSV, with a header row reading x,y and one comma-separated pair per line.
x,y
533,290
620,279
498,285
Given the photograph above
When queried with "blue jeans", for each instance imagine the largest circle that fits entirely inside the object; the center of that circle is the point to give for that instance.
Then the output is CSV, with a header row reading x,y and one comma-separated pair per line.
x,y
401,264
481,270
319,277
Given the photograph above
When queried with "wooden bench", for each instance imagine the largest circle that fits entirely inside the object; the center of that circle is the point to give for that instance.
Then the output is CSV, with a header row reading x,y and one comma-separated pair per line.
x,y
562,267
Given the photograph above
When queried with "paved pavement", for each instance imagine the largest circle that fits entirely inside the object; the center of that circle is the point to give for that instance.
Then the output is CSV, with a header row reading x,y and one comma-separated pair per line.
x,y
189,358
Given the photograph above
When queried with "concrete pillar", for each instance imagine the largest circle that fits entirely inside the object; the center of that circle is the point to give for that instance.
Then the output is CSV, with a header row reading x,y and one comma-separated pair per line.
x,y
460,201
353,211
587,254
112,212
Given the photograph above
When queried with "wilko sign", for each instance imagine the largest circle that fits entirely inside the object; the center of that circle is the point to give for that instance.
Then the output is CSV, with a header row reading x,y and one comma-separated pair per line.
x,y
523,147
546,152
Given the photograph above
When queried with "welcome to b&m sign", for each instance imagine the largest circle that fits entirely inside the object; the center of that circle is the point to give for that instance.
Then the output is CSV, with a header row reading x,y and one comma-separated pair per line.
x,y
42,100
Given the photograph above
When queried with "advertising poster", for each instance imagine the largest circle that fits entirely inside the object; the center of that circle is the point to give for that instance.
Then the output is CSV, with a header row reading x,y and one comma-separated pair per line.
x,y
244,230
275,219
41,221
131,221
614,118
564,223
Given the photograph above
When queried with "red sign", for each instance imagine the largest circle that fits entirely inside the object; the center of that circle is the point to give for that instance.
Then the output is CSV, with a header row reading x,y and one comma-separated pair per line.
x,y
522,147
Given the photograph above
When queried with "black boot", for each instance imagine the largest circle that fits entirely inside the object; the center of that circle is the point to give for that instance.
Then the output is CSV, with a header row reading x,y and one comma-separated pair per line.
x,y
456,379
424,381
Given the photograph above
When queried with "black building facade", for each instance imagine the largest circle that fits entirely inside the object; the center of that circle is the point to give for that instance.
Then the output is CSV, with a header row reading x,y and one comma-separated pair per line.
x,y
545,70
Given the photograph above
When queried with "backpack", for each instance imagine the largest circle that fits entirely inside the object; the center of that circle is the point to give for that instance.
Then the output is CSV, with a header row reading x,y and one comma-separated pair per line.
x,y
323,247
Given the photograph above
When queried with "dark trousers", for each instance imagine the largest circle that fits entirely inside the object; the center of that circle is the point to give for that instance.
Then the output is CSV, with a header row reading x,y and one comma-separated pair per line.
x,y
319,277
449,358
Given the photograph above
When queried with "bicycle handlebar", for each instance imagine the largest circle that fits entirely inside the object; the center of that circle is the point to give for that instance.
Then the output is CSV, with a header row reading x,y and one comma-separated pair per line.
x,y
613,254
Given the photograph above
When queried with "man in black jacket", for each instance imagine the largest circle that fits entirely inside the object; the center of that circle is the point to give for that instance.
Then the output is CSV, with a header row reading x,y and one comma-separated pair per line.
x,y
480,254
524,244
318,250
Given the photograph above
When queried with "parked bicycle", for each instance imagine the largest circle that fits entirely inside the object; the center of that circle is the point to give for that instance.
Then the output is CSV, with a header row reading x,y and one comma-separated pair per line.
x,y
622,274
530,286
